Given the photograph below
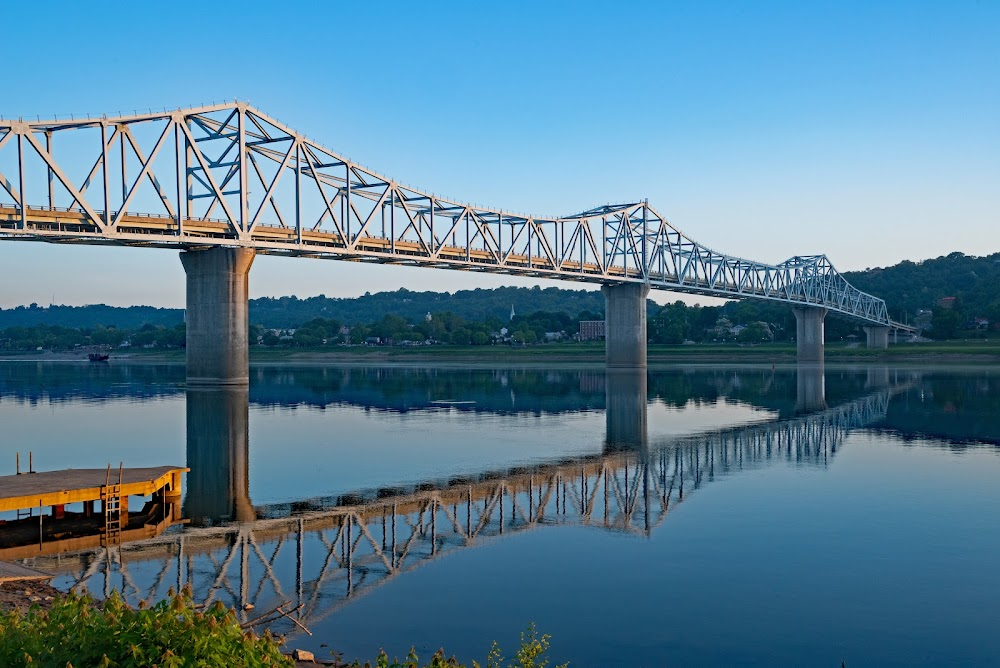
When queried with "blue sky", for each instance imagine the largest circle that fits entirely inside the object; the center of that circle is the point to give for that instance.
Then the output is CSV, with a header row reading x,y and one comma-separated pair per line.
x,y
868,131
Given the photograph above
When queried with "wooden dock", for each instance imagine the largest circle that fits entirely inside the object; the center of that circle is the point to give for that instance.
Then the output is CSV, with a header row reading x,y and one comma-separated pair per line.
x,y
59,488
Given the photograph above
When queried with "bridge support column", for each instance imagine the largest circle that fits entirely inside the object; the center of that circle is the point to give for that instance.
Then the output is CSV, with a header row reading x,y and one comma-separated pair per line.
x,y
878,337
809,333
217,315
625,325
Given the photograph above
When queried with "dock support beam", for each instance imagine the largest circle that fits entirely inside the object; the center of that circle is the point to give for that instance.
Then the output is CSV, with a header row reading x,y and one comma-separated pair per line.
x,y
878,337
809,333
217,316
625,325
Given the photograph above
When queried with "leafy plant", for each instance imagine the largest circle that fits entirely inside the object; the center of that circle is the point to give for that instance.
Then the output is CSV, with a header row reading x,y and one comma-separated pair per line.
x,y
531,654
77,631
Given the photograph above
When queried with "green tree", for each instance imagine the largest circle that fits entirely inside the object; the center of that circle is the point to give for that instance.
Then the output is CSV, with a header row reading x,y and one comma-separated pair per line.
x,y
945,322
755,332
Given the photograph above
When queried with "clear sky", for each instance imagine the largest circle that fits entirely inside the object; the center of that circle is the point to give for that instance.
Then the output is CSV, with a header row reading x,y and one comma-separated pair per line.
x,y
869,131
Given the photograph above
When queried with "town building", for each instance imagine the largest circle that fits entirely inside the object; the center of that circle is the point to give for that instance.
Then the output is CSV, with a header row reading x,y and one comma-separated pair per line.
x,y
591,330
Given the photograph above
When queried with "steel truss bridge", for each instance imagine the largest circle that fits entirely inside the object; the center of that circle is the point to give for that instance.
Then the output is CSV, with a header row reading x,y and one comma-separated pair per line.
x,y
324,553
229,175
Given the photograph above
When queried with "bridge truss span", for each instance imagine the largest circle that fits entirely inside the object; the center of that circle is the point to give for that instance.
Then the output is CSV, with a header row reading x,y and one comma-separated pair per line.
x,y
231,176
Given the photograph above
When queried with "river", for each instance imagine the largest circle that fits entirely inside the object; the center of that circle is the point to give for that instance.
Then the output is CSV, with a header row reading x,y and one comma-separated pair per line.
x,y
697,515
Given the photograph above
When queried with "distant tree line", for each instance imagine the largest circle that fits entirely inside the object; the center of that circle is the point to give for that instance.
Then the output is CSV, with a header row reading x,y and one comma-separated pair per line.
x,y
952,296
56,337
733,322
444,327
284,312
736,322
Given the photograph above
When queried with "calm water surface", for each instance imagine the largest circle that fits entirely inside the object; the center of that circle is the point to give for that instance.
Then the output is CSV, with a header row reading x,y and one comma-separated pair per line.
x,y
697,516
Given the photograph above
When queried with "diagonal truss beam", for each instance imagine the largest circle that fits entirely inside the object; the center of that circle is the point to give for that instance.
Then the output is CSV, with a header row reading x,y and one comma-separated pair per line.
x,y
221,145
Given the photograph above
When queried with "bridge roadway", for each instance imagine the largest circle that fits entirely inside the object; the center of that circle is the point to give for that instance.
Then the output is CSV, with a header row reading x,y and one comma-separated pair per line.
x,y
274,191
325,552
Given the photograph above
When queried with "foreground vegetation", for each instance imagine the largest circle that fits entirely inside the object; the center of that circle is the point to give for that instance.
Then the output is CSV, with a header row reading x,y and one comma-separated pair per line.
x,y
78,631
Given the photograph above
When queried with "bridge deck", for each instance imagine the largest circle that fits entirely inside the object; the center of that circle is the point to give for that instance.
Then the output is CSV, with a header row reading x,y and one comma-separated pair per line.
x,y
150,230
55,224
53,488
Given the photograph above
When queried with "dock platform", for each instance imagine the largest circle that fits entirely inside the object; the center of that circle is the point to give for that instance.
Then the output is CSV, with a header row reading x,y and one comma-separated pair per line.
x,y
43,524
59,488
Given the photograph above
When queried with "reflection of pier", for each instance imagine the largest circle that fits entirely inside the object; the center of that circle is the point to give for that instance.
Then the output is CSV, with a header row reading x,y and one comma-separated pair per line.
x,y
218,445
626,404
324,552
810,388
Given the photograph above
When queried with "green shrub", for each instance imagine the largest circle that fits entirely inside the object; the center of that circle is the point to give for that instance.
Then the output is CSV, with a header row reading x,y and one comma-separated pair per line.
x,y
531,654
77,631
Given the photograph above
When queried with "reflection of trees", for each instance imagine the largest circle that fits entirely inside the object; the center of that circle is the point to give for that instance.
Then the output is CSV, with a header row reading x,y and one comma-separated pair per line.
x,y
960,409
762,387
530,390
32,382
403,389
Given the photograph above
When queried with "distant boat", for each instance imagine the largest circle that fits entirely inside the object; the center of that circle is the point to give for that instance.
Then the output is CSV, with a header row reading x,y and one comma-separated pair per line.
x,y
98,357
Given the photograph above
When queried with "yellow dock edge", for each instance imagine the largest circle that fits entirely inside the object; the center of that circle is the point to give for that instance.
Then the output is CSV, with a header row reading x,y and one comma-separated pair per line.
x,y
64,497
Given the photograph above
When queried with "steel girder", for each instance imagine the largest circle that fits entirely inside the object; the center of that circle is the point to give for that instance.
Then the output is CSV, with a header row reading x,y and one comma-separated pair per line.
x,y
231,175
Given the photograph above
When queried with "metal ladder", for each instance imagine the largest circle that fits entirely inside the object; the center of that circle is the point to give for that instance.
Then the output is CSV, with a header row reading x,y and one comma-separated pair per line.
x,y
24,513
111,500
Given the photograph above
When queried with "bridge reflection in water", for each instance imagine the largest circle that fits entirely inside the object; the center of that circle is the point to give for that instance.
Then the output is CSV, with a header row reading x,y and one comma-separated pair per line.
x,y
322,553
218,440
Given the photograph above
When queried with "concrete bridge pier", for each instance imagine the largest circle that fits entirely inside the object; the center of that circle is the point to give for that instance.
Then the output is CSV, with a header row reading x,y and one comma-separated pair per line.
x,y
625,358
218,449
217,315
809,333
625,325
877,337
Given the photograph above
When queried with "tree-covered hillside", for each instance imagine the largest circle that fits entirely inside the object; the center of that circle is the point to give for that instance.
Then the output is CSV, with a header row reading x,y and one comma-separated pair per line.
x,y
89,317
910,286
282,312
476,304
907,287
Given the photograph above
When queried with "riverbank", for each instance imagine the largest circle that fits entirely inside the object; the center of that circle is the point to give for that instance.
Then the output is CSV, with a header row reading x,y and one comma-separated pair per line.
x,y
20,595
35,620
974,351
